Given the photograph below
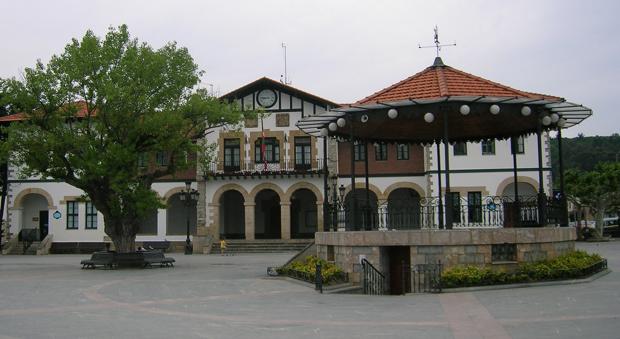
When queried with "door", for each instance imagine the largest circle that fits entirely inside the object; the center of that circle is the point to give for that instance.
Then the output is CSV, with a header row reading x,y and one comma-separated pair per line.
x,y
43,224
400,271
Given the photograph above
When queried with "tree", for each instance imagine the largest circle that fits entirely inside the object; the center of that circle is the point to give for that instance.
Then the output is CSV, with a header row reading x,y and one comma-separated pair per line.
x,y
599,189
94,110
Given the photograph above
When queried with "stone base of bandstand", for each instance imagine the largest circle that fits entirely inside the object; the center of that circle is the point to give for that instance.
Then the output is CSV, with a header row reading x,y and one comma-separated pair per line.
x,y
452,247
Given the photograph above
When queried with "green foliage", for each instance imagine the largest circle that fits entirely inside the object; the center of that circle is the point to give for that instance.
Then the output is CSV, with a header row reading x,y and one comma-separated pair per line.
x,y
93,110
307,270
584,153
599,189
570,265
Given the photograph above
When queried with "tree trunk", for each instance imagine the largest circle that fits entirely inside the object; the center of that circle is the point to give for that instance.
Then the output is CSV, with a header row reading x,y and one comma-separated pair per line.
x,y
121,233
600,213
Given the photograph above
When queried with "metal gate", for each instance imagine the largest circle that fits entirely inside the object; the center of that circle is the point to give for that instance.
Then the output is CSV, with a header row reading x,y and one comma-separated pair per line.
x,y
425,278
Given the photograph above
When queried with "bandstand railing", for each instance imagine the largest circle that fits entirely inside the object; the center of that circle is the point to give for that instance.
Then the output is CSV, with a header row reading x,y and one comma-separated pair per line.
x,y
424,213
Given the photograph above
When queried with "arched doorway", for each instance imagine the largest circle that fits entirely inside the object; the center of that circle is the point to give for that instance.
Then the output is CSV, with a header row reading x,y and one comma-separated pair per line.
x,y
35,215
526,190
366,215
267,215
303,214
403,210
526,212
232,215
177,214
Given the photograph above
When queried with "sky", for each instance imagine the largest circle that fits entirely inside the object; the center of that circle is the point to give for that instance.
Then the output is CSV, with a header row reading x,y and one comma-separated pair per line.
x,y
346,50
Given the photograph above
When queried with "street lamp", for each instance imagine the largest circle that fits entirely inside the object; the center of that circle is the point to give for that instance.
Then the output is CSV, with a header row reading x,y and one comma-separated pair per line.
x,y
190,197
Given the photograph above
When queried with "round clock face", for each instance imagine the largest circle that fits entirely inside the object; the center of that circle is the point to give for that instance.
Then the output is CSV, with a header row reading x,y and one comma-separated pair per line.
x,y
266,98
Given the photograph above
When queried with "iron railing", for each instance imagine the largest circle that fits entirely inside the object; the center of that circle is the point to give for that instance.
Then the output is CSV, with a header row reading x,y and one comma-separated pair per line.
x,y
373,281
425,278
247,167
426,213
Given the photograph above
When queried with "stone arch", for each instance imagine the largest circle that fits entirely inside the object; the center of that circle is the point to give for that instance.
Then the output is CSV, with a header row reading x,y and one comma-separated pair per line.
x,y
306,185
523,179
20,197
371,187
172,192
267,185
218,194
403,184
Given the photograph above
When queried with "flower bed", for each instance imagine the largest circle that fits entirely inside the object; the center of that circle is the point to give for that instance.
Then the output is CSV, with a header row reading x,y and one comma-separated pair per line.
x,y
306,271
576,264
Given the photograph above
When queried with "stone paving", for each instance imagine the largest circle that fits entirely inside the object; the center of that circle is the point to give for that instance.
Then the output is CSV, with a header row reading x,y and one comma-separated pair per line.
x,y
212,296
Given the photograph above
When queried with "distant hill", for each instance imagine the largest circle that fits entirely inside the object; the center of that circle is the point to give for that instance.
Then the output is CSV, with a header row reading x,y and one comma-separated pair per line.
x,y
584,153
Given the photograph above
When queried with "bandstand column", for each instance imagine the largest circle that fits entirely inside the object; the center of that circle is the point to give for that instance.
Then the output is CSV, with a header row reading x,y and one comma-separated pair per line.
x,y
542,215
441,225
564,207
516,212
249,220
320,227
448,197
367,225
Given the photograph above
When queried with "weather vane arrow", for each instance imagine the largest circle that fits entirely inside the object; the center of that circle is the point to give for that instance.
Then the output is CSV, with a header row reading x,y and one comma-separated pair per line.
x,y
437,45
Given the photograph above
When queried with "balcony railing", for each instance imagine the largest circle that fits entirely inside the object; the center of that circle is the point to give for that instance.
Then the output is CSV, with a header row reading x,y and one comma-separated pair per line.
x,y
257,168
426,213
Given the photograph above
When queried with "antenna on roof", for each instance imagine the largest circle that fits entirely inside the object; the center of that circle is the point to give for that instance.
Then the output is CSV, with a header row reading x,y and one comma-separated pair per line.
x,y
437,45
286,80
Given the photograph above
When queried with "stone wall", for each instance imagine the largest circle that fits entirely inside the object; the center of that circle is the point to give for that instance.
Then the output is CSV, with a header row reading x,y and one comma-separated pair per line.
x,y
451,247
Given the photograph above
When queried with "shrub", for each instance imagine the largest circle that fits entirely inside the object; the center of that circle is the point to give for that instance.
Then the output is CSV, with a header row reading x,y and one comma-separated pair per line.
x,y
306,270
574,264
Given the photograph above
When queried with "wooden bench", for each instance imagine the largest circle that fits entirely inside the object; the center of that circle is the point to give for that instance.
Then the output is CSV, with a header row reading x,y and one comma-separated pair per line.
x,y
157,257
104,259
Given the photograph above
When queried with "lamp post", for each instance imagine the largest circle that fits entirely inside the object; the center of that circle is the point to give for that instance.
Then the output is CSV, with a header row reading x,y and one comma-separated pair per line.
x,y
337,201
189,196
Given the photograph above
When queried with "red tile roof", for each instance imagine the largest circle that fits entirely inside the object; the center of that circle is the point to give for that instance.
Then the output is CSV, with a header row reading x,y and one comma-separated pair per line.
x,y
440,80
81,112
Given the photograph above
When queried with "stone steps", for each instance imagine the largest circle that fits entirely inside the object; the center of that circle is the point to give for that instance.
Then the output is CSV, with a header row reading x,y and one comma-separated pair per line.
x,y
263,246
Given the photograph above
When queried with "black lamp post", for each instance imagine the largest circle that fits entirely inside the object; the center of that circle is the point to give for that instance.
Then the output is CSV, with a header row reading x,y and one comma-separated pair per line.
x,y
337,200
190,197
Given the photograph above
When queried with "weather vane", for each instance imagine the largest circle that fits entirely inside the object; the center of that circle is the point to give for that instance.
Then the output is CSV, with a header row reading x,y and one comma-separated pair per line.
x,y
438,45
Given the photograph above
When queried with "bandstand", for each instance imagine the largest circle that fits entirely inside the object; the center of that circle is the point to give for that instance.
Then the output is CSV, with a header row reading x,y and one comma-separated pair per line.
x,y
437,107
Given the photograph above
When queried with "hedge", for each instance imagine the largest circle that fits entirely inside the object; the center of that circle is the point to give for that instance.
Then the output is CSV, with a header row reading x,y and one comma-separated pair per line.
x,y
575,264
306,270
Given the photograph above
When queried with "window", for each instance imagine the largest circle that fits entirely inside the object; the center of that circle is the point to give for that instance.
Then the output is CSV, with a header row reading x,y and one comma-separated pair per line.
x,y
518,145
460,148
455,200
381,151
302,153
474,207
272,150
162,159
360,152
232,155
91,216
402,151
503,252
72,215
488,147
142,160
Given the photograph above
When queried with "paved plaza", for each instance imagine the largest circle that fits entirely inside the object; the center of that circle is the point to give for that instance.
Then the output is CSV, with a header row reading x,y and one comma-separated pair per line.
x,y
212,296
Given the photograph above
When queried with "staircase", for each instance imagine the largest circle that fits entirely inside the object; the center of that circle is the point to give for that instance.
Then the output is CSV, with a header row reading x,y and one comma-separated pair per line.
x,y
263,246
18,248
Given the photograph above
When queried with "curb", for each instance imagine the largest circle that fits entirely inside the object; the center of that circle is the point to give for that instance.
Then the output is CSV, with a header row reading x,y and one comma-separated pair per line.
x,y
530,284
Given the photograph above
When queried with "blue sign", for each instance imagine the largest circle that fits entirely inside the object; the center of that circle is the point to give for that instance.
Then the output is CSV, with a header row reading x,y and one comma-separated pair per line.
x,y
57,215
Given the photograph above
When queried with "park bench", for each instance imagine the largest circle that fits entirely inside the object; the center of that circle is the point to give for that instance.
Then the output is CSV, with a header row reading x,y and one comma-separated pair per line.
x,y
104,259
157,257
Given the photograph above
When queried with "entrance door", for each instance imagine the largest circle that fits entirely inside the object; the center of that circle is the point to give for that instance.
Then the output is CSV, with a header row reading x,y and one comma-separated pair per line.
x,y
43,224
400,269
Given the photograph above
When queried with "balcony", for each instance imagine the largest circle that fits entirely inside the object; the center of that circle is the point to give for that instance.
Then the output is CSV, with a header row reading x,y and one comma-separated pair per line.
x,y
254,169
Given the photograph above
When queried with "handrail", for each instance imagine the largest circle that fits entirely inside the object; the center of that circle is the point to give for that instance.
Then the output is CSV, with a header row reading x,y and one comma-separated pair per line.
x,y
45,245
373,280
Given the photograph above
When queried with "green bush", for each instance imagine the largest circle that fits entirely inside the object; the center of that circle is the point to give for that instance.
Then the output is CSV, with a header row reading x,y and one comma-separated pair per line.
x,y
569,265
306,270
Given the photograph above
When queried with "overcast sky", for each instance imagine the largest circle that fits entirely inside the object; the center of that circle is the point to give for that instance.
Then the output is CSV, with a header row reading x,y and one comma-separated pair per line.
x,y
346,50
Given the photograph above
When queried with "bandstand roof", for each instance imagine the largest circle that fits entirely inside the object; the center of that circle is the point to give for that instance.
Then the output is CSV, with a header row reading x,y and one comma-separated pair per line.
x,y
441,90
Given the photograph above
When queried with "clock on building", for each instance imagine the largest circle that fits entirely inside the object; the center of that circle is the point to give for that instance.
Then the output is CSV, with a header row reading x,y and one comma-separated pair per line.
x,y
266,98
